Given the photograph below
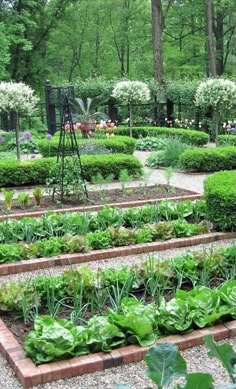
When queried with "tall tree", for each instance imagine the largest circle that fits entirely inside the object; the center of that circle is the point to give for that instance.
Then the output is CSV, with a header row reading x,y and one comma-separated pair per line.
x,y
157,28
210,38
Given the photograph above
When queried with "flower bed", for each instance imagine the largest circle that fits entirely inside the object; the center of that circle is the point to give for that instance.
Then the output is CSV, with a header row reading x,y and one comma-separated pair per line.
x,y
197,138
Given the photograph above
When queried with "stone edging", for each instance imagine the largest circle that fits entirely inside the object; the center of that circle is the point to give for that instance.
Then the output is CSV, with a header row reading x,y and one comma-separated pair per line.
x,y
70,259
89,208
31,375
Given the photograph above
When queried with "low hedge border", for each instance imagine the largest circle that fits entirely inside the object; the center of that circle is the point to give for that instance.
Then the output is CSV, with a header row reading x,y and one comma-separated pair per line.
x,y
90,208
220,195
208,160
227,140
117,144
36,172
71,259
31,375
194,137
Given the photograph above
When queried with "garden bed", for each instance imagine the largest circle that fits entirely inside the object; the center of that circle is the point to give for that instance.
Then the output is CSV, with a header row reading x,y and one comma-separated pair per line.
x,y
112,336
71,259
131,196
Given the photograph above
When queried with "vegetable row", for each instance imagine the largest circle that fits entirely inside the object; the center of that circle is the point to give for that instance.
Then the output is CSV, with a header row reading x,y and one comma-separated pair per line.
x,y
99,239
132,322
31,229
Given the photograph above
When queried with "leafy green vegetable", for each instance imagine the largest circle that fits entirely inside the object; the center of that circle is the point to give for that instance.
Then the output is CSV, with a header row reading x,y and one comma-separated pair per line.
x,y
225,354
164,364
175,315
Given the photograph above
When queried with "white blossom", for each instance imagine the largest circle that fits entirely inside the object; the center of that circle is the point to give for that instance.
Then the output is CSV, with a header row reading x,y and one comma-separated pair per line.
x,y
17,97
220,94
131,92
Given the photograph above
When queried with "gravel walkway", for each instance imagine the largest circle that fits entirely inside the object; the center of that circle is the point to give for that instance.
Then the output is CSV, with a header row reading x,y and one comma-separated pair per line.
x,y
130,260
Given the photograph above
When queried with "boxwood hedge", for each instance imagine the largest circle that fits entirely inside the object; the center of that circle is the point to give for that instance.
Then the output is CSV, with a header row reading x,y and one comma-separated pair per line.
x,y
117,144
197,138
16,173
220,195
208,160
226,140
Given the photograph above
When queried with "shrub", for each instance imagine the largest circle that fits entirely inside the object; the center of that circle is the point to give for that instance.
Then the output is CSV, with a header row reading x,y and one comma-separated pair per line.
x,y
119,144
209,160
220,194
227,140
35,172
197,138
150,143
173,149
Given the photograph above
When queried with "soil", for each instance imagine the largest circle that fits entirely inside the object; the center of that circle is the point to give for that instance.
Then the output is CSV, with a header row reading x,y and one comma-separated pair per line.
x,y
105,197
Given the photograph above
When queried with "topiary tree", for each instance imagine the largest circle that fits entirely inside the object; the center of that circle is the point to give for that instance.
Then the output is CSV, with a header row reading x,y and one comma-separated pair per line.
x,y
219,95
18,98
131,92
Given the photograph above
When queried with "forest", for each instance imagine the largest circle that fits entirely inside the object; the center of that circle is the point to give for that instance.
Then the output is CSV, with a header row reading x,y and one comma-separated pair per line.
x,y
67,40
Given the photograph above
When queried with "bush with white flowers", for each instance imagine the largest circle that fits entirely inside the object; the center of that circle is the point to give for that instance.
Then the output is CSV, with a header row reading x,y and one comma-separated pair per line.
x,y
17,97
219,95
131,92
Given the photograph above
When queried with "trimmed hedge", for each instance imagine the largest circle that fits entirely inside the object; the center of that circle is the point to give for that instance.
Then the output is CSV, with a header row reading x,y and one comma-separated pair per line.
x,y
118,144
197,138
35,172
208,160
220,195
227,140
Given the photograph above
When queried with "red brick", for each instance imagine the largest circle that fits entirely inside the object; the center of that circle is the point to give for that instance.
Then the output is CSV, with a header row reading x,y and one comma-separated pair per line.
x,y
46,373
219,332
231,326
107,360
131,354
65,369
116,357
192,339
82,365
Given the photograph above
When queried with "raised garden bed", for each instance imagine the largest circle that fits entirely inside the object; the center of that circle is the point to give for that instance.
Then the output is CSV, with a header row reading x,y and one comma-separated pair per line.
x,y
71,259
130,196
175,313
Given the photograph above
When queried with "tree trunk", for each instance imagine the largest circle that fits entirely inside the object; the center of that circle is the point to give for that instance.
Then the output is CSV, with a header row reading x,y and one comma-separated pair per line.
x,y
17,136
130,120
157,39
209,35
219,35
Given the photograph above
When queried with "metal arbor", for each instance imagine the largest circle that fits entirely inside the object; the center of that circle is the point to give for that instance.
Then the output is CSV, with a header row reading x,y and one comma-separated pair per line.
x,y
68,175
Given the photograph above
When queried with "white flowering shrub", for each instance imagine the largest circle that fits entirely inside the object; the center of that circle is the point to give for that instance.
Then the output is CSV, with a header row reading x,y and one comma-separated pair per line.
x,y
131,92
218,94
17,97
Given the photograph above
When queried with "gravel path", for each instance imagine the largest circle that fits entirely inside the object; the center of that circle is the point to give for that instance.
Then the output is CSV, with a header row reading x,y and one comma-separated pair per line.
x,y
193,182
130,260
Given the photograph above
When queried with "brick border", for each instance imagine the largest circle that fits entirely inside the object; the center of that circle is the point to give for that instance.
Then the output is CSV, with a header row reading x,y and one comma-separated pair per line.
x,y
30,375
71,259
91,208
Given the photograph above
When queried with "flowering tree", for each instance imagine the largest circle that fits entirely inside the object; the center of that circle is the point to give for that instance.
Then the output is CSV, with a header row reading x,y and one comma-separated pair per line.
x,y
131,92
18,98
220,96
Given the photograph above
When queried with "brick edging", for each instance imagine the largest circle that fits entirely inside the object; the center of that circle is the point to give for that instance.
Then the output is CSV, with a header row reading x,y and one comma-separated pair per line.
x,y
91,208
30,375
70,259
